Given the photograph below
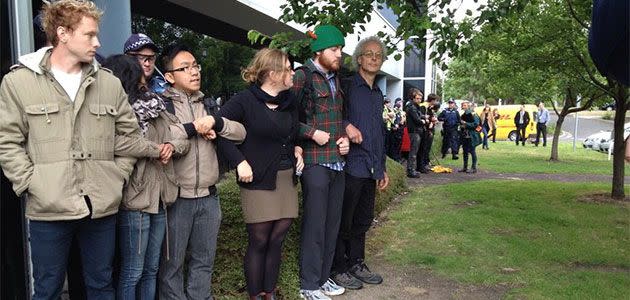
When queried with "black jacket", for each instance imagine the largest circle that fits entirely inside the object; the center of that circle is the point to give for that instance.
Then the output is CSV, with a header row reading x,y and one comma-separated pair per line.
x,y
265,140
416,120
525,117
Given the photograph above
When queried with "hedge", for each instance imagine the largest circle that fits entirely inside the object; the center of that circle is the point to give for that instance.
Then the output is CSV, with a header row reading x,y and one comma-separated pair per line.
x,y
228,279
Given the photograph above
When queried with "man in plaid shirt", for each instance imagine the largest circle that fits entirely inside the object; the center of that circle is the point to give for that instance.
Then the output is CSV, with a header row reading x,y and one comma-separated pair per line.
x,y
324,145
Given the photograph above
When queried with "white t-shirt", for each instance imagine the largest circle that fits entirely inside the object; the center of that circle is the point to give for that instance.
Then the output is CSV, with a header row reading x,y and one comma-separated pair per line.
x,y
69,82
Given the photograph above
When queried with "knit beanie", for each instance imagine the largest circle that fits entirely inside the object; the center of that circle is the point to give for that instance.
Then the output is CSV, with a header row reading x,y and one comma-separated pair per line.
x,y
326,36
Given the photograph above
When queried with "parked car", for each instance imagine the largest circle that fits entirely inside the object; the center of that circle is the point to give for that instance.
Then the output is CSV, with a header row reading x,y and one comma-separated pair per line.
x,y
593,140
608,106
607,143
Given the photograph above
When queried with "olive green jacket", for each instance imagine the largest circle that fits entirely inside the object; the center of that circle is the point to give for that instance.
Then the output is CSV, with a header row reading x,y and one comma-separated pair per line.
x,y
61,152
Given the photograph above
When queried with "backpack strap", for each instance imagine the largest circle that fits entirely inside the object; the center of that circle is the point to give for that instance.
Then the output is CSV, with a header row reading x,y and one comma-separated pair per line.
x,y
307,89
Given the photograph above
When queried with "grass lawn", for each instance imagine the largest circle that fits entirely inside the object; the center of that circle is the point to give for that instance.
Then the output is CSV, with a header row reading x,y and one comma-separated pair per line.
x,y
533,236
505,157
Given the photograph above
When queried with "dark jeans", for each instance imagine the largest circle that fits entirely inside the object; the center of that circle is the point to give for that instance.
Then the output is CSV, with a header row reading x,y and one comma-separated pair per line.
x,y
412,163
356,219
485,131
494,135
469,149
541,129
140,237
193,227
425,149
322,191
520,134
450,140
50,246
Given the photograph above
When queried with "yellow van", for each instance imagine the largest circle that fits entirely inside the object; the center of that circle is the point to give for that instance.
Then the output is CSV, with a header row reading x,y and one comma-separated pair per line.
x,y
506,130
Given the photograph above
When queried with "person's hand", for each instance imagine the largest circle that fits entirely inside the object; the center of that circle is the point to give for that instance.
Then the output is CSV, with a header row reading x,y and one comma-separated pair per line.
x,y
383,183
166,151
321,137
211,135
354,134
462,122
344,145
244,171
204,125
299,160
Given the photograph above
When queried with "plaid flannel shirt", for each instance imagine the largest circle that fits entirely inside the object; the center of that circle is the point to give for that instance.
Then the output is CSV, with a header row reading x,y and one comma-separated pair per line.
x,y
324,112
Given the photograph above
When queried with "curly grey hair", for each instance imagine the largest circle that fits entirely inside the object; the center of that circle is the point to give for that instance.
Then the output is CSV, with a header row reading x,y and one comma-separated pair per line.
x,y
358,50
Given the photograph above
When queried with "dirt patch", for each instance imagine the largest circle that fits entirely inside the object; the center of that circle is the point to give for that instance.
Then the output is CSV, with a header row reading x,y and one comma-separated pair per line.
x,y
600,267
466,204
417,283
603,199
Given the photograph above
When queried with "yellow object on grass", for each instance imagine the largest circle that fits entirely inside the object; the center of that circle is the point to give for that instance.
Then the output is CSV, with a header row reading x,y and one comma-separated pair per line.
x,y
440,169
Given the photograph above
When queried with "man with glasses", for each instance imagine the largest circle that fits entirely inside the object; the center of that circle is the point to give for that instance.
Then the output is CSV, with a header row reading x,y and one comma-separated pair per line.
x,y
145,51
194,219
365,165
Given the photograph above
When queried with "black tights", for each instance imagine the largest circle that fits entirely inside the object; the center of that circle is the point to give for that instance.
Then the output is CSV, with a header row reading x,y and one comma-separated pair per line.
x,y
262,261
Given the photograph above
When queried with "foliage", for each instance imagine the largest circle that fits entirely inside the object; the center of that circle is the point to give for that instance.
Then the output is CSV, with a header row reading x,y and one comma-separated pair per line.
x,y
415,18
607,116
228,279
534,237
221,61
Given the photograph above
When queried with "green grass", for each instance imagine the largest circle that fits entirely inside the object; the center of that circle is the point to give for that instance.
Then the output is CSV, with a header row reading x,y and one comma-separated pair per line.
x,y
505,157
562,248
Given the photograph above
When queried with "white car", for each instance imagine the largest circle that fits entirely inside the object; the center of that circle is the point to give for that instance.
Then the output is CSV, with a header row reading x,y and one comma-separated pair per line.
x,y
609,142
593,140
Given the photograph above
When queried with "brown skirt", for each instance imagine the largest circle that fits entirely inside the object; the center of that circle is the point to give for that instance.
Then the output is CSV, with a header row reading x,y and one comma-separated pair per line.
x,y
265,205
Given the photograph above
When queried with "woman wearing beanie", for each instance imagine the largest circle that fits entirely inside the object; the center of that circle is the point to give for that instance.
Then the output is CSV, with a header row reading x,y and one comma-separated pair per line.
x,y
267,162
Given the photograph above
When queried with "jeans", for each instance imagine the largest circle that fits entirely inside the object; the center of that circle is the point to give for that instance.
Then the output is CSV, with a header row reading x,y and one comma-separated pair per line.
x,y
322,190
50,246
193,227
412,163
485,131
356,220
469,149
541,129
425,150
140,237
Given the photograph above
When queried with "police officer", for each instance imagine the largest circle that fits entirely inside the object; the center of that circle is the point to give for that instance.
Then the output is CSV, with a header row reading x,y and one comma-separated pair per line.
x,y
450,135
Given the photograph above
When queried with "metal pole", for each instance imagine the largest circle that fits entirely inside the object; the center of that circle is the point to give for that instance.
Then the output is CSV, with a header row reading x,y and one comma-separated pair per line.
x,y
577,117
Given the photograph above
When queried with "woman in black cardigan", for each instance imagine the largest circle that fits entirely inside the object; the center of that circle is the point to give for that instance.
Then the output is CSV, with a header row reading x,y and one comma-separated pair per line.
x,y
267,162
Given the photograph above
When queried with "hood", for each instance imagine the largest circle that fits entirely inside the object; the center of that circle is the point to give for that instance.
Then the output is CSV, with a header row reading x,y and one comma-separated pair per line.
x,y
33,61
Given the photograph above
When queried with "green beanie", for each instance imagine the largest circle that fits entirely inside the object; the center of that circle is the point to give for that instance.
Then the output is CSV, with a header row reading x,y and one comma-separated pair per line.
x,y
326,36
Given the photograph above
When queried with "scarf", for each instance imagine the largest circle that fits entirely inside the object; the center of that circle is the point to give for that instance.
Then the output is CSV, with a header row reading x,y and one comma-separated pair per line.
x,y
147,107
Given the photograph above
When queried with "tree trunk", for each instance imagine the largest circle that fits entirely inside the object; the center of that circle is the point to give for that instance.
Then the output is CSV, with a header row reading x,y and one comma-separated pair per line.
x,y
621,95
556,138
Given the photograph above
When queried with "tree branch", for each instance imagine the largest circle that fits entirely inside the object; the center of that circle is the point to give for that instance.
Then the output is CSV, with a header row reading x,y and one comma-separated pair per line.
x,y
574,15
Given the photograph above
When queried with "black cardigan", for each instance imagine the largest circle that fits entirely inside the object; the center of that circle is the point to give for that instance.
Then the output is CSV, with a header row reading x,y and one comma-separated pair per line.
x,y
263,143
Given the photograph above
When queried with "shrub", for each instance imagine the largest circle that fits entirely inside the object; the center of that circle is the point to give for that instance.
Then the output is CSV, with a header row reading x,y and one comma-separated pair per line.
x,y
607,116
228,278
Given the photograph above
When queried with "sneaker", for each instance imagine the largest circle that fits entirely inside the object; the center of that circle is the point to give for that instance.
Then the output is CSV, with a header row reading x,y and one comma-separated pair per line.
x,y
413,174
313,295
348,281
363,273
330,288
462,170
455,157
472,171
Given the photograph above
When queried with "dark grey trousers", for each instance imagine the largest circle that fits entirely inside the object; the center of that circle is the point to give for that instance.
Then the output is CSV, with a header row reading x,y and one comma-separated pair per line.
x,y
322,190
193,226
